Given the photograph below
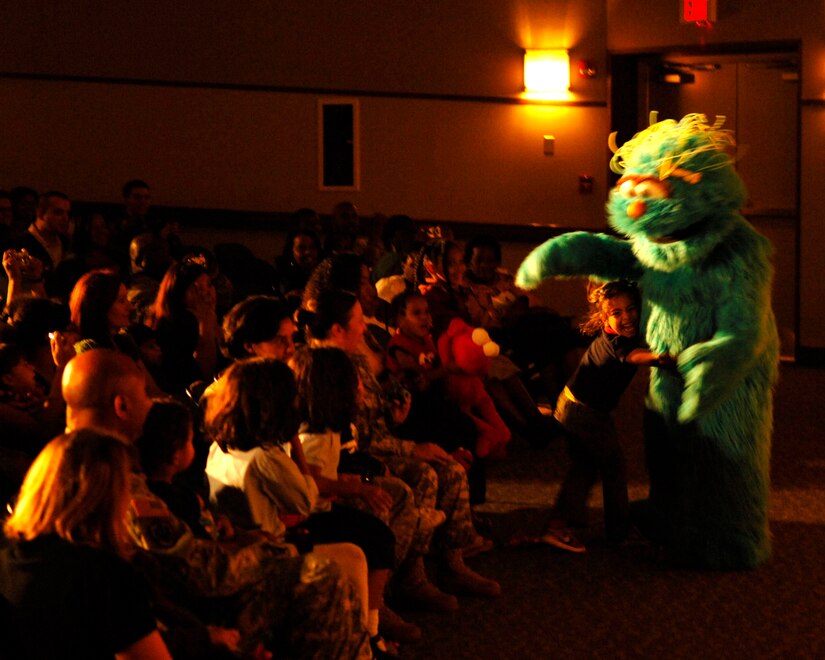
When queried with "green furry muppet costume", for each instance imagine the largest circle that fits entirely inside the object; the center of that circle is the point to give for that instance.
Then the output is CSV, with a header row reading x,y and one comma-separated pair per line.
x,y
705,278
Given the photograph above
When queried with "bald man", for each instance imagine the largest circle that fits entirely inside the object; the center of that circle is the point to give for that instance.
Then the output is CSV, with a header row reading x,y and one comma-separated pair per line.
x,y
294,616
105,390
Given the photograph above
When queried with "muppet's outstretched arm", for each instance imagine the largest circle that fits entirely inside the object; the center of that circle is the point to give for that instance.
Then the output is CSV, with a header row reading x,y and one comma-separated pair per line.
x,y
579,254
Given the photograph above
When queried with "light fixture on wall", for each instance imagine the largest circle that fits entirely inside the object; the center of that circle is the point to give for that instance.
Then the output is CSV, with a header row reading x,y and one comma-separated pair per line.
x,y
546,73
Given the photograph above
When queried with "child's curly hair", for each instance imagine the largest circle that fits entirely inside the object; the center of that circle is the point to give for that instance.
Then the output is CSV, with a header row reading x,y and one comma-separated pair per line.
x,y
597,293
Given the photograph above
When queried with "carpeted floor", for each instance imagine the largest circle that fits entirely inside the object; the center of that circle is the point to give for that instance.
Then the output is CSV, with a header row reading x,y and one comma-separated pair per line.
x,y
621,603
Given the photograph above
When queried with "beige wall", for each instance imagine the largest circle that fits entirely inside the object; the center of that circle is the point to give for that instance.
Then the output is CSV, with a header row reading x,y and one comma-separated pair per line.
x,y
257,149
471,160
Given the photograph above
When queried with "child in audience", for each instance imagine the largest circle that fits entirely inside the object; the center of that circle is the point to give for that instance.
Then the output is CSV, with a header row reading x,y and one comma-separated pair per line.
x,y
328,389
256,468
584,410
448,298
412,354
166,450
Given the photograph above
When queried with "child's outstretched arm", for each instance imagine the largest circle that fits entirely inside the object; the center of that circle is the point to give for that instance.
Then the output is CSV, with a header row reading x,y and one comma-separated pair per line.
x,y
644,357
581,254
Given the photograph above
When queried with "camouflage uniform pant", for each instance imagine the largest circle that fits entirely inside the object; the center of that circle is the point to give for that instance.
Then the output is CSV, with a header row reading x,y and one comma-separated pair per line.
x,y
298,607
440,486
304,608
402,518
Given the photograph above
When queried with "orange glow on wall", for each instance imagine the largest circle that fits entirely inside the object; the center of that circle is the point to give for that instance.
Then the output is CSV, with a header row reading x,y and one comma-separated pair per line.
x,y
546,73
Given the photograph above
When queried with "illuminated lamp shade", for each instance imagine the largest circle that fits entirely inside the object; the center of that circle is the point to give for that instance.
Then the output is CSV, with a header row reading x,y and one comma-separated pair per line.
x,y
546,72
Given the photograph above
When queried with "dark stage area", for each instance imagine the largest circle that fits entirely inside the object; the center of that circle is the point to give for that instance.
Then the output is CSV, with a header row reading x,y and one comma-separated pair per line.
x,y
622,602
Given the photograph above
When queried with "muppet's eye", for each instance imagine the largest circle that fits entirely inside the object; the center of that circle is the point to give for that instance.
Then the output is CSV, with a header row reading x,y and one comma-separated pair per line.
x,y
650,188
627,188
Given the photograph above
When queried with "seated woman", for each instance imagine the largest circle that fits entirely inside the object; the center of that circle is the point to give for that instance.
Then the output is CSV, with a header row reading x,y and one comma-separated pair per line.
x,y
66,565
346,271
28,416
186,323
260,326
258,473
34,321
437,481
101,312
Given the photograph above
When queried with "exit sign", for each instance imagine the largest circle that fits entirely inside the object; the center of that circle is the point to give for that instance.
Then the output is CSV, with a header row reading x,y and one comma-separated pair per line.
x,y
698,11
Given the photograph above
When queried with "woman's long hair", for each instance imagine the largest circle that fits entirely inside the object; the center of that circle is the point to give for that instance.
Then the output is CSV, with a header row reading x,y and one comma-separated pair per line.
x,y
327,385
171,299
251,321
77,488
331,307
90,301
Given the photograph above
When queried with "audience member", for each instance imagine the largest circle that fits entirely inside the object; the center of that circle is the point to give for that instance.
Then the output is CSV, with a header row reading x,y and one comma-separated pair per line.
x,y
327,400
149,259
167,450
34,320
136,219
186,323
343,228
435,413
535,336
6,221
101,312
104,390
30,415
91,249
65,564
260,326
24,208
302,251
47,237
252,420
346,271
437,480
307,218
399,237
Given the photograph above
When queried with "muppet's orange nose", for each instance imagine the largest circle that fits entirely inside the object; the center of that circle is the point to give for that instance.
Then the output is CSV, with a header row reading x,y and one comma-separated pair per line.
x,y
636,209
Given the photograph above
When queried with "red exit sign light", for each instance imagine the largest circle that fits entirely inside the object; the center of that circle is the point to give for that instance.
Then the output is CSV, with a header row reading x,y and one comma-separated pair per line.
x,y
698,11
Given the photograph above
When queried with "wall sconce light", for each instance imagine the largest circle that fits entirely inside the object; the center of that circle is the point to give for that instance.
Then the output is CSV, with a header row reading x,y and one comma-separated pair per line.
x,y
546,72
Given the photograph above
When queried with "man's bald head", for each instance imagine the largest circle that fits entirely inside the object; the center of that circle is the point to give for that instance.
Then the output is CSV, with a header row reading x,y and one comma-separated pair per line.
x,y
106,390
